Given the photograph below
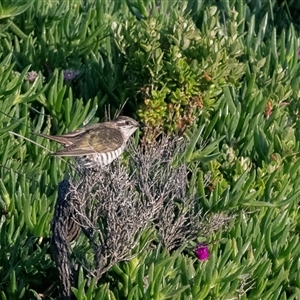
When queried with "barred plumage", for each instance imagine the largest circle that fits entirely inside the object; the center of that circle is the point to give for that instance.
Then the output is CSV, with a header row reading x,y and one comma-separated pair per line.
x,y
99,159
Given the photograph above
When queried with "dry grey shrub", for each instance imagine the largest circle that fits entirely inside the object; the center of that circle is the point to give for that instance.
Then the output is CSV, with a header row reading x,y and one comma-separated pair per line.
x,y
115,206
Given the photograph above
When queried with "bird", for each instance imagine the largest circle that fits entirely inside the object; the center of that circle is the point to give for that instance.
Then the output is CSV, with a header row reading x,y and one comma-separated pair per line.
x,y
96,145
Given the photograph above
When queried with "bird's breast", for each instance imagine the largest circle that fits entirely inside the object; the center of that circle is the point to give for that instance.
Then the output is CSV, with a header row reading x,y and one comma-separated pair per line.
x,y
99,159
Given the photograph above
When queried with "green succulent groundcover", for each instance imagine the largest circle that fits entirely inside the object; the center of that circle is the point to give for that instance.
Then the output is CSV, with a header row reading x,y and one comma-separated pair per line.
x,y
223,74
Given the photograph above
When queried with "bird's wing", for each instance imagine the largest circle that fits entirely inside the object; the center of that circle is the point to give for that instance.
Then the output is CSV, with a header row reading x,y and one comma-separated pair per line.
x,y
67,139
82,130
95,140
74,152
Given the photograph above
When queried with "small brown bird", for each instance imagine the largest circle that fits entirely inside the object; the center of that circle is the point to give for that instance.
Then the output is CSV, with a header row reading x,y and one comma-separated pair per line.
x,y
97,144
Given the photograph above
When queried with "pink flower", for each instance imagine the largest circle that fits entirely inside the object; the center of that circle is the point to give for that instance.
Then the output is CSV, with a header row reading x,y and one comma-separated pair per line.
x,y
31,76
70,74
202,251
299,52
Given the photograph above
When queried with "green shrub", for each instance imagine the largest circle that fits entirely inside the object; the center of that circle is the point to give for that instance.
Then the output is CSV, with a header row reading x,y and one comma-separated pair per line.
x,y
226,73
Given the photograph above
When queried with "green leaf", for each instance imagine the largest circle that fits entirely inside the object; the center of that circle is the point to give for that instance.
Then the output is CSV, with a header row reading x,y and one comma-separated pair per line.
x,y
12,11
193,141
203,154
229,100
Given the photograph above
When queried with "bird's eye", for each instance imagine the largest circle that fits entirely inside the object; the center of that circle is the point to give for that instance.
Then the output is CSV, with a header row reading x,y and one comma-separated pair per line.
x,y
127,123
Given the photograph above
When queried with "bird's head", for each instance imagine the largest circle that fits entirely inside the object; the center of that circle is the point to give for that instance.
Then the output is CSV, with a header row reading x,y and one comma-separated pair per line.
x,y
126,125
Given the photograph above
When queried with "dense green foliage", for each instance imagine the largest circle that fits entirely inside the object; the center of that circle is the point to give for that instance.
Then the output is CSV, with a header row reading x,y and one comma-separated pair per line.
x,y
225,72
